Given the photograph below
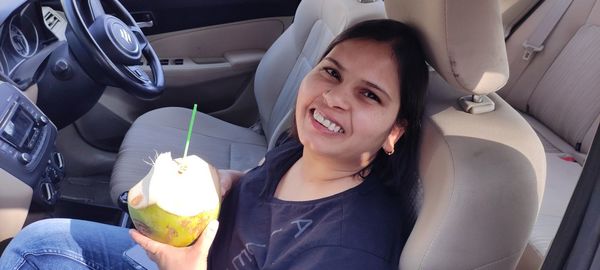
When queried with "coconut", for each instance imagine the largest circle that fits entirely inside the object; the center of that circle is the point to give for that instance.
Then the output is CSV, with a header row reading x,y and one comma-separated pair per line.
x,y
176,200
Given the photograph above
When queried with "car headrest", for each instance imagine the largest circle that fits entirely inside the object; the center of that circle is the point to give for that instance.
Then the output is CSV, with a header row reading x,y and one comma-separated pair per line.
x,y
463,39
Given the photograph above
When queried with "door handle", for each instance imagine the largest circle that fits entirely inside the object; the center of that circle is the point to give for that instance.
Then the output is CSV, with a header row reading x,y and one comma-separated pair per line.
x,y
147,24
144,19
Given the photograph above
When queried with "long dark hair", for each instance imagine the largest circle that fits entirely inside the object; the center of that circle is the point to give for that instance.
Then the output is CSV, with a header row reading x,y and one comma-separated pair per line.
x,y
398,171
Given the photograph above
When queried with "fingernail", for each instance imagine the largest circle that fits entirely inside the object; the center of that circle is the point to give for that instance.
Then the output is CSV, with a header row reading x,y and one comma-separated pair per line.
x,y
213,225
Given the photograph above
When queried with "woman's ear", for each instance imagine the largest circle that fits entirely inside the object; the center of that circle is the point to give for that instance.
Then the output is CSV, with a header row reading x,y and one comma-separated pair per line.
x,y
396,133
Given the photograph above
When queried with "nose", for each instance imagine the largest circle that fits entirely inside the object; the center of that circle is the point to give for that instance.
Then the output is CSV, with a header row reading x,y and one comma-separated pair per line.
x,y
336,98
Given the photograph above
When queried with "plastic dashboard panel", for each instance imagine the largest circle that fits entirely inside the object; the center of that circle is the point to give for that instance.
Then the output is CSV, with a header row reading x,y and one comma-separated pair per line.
x,y
12,101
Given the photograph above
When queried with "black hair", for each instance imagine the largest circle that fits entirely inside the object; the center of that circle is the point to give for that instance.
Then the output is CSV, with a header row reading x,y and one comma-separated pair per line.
x,y
398,171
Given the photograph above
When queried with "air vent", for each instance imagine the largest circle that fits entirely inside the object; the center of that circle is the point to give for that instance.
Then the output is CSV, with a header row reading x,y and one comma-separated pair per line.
x,y
51,20
178,62
164,62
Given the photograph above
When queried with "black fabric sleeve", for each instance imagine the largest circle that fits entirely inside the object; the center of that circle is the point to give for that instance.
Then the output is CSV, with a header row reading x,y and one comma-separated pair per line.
x,y
336,257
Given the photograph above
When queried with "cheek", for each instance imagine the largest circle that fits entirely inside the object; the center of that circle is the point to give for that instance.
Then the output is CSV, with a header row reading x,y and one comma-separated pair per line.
x,y
375,123
304,92
312,85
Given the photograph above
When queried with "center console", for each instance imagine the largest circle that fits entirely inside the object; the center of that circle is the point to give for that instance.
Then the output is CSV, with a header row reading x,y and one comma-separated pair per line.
x,y
27,145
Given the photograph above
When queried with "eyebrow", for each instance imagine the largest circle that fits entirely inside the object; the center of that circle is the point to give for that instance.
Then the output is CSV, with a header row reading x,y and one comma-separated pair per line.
x,y
335,62
370,84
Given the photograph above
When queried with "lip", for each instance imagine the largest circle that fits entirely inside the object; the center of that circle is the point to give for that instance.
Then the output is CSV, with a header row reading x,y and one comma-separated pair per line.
x,y
320,128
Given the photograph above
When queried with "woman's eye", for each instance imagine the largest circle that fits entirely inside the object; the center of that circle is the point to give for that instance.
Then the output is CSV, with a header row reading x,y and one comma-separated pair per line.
x,y
371,95
333,73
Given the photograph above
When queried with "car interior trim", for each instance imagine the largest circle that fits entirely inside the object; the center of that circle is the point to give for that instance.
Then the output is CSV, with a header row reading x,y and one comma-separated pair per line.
x,y
15,198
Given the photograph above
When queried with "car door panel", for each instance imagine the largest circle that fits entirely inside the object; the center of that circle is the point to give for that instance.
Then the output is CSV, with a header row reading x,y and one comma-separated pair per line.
x,y
211,66
174,15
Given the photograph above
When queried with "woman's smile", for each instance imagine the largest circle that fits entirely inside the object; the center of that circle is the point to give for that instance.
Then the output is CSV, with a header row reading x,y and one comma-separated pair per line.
x,y
325,123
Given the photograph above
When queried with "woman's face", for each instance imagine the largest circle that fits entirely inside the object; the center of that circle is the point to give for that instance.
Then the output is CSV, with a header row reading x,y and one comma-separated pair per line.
x,y
348,104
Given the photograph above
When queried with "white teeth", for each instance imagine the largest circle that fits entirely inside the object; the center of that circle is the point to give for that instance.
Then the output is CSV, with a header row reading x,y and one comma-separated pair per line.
x,y
327,123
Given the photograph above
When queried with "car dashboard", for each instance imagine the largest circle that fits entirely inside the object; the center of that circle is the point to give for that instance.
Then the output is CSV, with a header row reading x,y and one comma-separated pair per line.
x,y
30,166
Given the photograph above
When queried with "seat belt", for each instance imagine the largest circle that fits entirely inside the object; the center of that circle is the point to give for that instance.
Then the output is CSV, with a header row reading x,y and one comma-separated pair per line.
x,y
535,42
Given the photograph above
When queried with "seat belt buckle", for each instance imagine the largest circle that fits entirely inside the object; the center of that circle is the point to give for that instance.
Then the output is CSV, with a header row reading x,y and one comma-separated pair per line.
x,y
531,50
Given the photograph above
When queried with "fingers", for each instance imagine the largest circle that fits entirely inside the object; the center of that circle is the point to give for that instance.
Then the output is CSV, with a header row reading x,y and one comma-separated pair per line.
x,y
152,247
206,239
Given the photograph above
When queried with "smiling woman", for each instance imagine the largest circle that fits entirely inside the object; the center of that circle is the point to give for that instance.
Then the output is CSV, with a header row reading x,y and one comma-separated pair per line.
x,y
335,194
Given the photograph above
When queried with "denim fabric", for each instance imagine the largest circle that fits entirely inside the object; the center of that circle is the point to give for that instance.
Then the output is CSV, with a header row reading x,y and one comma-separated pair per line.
x,y
68,244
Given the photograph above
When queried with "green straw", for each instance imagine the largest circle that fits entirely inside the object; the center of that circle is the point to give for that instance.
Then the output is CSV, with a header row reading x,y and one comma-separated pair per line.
x,y
189,135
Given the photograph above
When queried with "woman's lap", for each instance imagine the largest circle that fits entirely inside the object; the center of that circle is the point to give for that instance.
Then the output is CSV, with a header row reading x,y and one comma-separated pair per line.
x,y
68,244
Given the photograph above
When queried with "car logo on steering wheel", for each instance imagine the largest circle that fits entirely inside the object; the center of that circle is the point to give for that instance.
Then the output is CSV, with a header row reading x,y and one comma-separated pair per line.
x,y
125,35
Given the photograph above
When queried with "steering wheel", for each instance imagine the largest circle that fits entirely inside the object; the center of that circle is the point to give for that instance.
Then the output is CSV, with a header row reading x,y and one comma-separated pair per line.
x,y
115,44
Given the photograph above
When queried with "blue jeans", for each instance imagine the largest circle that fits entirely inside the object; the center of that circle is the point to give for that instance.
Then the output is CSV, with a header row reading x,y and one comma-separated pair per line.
x,y
68,244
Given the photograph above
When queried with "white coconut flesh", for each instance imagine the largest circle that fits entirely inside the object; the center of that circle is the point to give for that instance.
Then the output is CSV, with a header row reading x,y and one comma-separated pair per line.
x,y
183,187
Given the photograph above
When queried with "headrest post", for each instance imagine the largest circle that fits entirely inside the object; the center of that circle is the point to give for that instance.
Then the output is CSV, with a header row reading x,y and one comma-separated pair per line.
x,y
476,98
476,104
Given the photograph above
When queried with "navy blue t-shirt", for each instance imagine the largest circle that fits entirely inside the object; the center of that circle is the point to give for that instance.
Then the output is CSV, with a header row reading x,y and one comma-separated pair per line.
x,y
359,228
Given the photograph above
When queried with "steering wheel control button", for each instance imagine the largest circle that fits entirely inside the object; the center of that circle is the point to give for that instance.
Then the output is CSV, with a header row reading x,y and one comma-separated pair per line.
x,y
137,72
116,40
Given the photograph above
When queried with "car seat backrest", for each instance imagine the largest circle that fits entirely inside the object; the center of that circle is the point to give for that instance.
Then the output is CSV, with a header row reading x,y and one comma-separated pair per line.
x,y
513,11
482,174
297,51
559,87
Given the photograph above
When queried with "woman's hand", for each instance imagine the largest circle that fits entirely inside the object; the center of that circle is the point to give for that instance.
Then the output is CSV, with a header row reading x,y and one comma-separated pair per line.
x,y
228,178
168,257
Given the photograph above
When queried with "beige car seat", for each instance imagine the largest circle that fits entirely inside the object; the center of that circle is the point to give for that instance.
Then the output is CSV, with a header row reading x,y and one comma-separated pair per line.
x,y
277,78
482,172
558,93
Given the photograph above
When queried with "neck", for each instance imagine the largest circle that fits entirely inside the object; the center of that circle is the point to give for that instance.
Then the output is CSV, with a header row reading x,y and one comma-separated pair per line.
x,y
314,176
317,168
